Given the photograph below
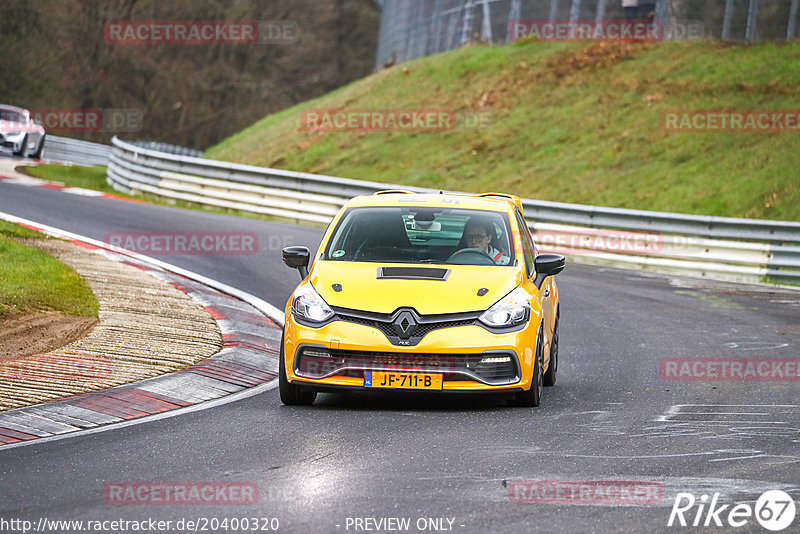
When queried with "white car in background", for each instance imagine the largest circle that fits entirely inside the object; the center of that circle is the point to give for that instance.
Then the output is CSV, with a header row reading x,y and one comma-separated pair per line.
x,y
19,133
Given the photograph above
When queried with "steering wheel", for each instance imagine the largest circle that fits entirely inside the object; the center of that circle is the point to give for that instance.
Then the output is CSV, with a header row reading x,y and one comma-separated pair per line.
x,y
472,254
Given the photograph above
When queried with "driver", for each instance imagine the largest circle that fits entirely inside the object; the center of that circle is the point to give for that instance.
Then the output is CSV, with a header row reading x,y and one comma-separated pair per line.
x,y
478,234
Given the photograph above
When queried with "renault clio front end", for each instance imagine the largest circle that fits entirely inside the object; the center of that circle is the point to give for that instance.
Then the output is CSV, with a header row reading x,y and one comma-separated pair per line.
x,y
423,292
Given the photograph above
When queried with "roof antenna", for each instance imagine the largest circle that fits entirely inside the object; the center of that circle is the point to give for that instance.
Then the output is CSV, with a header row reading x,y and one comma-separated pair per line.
x,y
441,192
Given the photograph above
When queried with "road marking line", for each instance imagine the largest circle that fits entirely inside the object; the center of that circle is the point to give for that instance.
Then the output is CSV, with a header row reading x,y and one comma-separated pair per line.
x,y
247,393
218,398
261,305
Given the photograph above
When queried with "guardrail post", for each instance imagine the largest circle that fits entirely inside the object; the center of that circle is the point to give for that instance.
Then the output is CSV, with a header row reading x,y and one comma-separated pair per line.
x,y
553,10
600,14
792,21
726,21
661,11
574,11
752,18
486,23
514,14
466,27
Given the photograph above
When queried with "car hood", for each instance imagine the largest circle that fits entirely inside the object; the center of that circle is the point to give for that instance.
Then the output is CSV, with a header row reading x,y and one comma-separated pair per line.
x,y
362,289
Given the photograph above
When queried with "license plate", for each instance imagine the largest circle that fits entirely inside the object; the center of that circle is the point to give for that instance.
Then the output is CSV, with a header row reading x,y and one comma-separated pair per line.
x,y
381,379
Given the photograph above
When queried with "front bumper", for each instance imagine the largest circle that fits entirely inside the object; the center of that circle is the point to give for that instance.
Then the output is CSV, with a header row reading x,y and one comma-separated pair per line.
x,y
14,142
469,358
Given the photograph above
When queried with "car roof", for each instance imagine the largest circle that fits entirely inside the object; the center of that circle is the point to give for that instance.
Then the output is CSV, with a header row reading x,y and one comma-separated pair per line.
x,y
483,201
13,108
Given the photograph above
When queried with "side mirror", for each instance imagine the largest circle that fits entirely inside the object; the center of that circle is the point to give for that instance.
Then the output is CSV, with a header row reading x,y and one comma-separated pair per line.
x,y
297,258
547,265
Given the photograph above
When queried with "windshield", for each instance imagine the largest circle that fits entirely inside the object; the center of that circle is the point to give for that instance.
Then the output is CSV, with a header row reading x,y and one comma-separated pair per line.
x,y
422,235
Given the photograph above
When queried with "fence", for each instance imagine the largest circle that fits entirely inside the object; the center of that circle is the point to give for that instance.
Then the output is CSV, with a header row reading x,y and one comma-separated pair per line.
x,y
717,247
415,28
75,151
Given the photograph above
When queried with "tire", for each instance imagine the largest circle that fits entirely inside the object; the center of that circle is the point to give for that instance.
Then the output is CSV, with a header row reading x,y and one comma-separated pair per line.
x,y
23,147
549,378
292,394
533,397
38,153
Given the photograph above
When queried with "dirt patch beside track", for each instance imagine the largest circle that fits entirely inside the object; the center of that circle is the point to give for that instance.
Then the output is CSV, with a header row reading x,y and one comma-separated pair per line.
x,y
146,328
32,333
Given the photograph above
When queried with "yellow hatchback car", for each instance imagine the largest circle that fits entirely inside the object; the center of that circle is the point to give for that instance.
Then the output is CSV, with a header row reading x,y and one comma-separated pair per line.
x,y
424,292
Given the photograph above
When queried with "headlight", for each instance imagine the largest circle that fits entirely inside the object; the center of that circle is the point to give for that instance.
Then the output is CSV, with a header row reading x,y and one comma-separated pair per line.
x,y
12,134
511,310
308,305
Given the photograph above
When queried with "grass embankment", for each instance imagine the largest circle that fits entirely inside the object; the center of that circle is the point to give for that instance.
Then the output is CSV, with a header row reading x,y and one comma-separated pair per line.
x,y
570,122
33,281
95,178
72,176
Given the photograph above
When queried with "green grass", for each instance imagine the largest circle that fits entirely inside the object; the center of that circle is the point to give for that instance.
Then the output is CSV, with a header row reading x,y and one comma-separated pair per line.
x,y
95,178
569,122
73,176
15,230
32,280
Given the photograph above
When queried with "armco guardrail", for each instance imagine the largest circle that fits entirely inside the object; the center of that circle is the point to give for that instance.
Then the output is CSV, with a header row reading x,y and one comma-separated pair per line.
x,y
75,151
158,146
717,247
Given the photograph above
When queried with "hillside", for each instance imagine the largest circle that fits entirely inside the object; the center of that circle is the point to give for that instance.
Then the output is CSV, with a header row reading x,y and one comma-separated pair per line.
x,y
56,56
568,122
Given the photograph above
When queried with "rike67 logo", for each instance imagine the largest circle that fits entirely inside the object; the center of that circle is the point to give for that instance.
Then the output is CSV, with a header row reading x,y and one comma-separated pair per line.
x,y
774,510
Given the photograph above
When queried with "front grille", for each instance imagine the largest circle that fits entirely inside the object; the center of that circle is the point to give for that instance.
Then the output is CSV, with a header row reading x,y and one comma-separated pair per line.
x,y
425,328
316,362
387,328
425,323
383,326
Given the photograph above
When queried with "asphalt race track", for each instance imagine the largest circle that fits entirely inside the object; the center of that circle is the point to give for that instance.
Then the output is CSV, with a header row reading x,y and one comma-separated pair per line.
x,y
456,463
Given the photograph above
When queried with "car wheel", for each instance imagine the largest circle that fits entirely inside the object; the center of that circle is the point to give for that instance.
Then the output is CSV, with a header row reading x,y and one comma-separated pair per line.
x,y
38,153
23,147
533,397
292,394
549,378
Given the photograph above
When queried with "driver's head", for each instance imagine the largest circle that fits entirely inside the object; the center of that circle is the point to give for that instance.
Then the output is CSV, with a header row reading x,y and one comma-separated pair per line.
x,y
478,233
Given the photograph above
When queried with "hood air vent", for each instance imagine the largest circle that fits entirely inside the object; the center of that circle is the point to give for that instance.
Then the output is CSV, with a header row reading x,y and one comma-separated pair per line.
x,y
414,273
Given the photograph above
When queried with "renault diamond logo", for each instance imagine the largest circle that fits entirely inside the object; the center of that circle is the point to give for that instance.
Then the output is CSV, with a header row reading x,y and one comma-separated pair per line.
x,y
405,324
